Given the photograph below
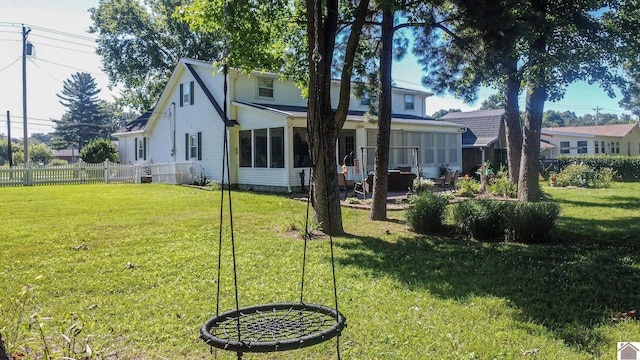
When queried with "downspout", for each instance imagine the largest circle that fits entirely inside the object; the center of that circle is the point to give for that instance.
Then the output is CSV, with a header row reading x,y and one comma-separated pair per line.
x,y
287,150
173,139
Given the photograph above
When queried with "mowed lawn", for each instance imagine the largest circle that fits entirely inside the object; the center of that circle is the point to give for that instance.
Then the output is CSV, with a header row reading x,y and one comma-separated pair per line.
x,y
131,269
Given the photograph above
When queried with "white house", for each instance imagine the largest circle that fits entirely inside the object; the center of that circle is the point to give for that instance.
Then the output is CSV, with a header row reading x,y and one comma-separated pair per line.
x,y
266,129
619,139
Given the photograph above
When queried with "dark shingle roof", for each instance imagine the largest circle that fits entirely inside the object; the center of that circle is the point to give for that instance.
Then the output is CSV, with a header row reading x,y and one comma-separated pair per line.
x,y
136,125
483,126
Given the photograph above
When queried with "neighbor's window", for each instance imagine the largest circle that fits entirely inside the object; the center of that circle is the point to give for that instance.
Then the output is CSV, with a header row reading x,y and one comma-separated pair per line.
x,y
260,148
265,88
582,147
365,100
597,147
245,148
565,147
617,147
409,102
601,147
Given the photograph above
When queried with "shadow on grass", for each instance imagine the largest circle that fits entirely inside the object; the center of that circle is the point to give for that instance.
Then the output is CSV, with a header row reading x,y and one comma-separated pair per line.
x,y
568,289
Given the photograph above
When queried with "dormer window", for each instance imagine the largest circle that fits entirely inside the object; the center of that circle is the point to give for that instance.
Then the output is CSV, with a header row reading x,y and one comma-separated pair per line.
x,y
186,93
409,102
365,100
265,88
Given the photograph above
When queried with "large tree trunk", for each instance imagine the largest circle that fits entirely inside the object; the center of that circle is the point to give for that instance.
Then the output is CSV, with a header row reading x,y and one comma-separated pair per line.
x,y
381,174
528,186
513,125
323,123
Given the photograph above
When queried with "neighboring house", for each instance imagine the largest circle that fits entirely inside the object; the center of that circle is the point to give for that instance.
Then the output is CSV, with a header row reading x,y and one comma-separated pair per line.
x,y
620,139
69,155
132,144
484,139
266,129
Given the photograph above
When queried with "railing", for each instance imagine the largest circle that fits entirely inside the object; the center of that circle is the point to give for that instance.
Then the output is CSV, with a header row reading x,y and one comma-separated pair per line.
x,y
107,172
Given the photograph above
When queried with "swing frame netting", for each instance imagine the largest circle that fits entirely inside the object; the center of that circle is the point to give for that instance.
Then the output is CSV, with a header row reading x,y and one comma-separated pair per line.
x,y
273,327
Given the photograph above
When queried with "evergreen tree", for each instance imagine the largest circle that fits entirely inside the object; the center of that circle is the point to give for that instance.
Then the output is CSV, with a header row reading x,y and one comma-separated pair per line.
x,y
84,119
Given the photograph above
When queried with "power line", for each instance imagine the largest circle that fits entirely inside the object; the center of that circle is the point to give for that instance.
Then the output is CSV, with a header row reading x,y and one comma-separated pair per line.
x,y
63,48
71,67
64,41
8,66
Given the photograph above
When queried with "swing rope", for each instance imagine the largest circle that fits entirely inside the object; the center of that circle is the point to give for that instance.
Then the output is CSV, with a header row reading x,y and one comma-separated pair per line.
x,y
278,326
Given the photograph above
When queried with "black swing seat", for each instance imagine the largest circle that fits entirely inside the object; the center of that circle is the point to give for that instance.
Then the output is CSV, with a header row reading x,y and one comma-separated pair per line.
x,y
273,327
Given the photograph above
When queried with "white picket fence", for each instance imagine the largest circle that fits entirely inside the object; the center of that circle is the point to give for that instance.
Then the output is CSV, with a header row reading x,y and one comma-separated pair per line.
x,y
106,172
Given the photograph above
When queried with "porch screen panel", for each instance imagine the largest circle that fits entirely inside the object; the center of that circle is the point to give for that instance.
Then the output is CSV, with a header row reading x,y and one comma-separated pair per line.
x,y
441,148
245,148
277,147
427,145
371,153
452,149
300,148
260,159
396,156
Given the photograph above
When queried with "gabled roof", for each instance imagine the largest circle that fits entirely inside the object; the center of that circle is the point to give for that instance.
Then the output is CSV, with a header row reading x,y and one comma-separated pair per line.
x,y
483,126
136,126
356,115
617,130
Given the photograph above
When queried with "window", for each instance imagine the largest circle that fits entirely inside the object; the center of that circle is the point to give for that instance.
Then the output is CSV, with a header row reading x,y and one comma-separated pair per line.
x,y
300,148
602,147
264,146
140,149
245,148
265,88
617,147
409,102
582,147
186,93
565,147
597,147
365,100
193,146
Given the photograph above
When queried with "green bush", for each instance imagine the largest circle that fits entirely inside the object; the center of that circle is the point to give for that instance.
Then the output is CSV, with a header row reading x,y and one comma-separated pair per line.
x,y
625,168
491,220
99,150
468,187
482,220
426,212
584,176
502,186
531,222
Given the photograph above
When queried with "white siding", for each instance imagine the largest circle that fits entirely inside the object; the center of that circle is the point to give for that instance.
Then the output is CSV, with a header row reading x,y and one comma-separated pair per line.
x,y
284,92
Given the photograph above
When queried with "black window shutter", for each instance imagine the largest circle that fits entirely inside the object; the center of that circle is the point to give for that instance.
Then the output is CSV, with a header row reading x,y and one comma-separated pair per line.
x,y
144,148
181,95
191,91
186,146
199,145
135,147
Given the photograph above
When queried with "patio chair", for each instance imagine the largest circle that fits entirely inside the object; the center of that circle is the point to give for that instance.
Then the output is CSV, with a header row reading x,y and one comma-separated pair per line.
x,y
345,184
363,188
444,181
454,178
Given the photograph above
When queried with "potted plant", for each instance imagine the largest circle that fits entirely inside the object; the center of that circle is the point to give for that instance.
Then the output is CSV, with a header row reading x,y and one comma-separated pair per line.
x,y
553,179
484,171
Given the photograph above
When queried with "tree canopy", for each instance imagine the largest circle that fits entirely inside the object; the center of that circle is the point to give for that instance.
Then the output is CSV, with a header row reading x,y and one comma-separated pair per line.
x,y
140,44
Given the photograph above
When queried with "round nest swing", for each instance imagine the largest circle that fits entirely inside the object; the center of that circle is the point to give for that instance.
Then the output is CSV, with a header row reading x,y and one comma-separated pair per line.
x,y
273,327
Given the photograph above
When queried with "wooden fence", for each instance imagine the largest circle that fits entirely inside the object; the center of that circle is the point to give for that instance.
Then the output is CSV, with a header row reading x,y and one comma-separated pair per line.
x,y
106,172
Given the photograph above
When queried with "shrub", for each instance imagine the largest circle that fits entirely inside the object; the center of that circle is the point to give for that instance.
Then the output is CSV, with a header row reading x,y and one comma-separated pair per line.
x,y
500,185
99,150
468,187
426,212
482,220
421,184
531,222
625,168
59,162
584,176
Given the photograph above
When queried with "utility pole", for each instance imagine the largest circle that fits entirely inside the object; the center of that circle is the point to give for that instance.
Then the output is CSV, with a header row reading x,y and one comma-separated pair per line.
x,y
9,139
597,110
26,50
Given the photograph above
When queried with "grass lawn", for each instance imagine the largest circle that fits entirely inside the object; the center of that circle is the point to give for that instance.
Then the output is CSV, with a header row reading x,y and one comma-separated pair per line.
x,y
131,270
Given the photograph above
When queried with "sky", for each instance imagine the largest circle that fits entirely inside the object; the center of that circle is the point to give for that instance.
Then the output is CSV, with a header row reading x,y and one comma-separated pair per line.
x,y
63,46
